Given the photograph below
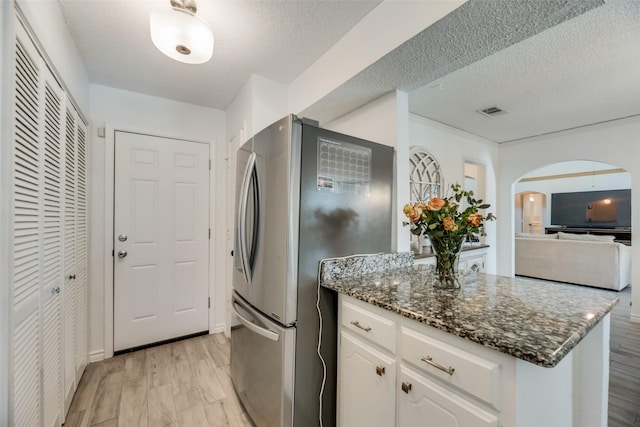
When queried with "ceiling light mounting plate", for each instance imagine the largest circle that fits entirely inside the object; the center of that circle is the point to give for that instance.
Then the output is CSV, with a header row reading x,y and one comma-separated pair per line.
x,y
189,5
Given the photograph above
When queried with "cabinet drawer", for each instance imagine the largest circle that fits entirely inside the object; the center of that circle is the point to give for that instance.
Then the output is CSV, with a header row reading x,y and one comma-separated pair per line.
x,y
475,375
420,399
369,325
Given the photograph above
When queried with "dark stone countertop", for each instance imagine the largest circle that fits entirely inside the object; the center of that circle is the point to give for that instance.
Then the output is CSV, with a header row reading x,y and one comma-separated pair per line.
x,y
534,320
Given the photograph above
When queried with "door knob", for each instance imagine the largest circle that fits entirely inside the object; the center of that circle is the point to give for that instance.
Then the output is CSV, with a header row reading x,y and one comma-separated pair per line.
x,y
122,254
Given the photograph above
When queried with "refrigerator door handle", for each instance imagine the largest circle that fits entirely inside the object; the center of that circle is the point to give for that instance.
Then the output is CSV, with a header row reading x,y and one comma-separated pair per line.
x,y
242,217
273,336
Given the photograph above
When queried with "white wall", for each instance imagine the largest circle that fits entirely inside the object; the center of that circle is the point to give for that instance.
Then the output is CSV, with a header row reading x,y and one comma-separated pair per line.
x,y
124,110
452,147
259,103
616,143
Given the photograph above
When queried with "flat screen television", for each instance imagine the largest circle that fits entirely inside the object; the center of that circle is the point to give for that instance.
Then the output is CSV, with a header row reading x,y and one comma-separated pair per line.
x,y
592,209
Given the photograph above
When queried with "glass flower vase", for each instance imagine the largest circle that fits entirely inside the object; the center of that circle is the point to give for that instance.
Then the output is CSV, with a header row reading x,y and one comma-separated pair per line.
x,y
447,253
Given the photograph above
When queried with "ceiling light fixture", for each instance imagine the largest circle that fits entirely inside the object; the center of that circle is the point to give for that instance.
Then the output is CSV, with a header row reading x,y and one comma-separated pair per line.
x,y
180,34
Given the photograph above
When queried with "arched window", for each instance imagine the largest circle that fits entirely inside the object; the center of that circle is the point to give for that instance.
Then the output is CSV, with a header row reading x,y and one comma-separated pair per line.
x,y
425,179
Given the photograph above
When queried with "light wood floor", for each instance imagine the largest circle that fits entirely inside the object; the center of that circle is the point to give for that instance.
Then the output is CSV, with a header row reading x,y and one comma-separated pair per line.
x,y
182,384
187,383
624,380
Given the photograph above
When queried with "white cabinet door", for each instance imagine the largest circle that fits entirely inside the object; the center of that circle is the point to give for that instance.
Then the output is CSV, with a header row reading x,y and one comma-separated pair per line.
x,y
367,382
473,264
423,402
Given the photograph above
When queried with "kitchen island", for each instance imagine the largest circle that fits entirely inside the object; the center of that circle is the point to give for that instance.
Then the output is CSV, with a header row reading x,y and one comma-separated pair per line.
x,y
498,352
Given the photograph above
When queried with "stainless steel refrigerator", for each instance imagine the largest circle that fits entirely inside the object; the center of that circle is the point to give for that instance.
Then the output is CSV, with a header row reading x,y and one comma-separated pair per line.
x,y
303,194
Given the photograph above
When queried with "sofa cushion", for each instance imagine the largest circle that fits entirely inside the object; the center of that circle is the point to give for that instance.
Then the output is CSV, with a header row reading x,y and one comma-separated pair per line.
x,y
536,236
585,237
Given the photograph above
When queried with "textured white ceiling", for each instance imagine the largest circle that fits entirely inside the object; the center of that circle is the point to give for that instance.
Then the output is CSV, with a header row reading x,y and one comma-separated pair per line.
x,y
584,71
275,39
552,64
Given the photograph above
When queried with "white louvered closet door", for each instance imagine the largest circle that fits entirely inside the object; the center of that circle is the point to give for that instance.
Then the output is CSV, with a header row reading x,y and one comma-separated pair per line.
x,y
75,233
27,235
80,286
69,262
51,304
49,241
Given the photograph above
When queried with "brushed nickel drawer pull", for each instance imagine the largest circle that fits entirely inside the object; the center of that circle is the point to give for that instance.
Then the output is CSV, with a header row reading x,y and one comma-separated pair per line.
x,y
358,325
428,359
380,370
406,387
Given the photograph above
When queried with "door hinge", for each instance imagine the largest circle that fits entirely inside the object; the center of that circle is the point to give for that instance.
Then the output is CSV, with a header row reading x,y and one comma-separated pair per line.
x,y
209,234
113,252
209,302
209,164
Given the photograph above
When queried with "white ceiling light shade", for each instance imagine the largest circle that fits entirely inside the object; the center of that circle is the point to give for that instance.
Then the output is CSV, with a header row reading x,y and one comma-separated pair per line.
x,y
180,34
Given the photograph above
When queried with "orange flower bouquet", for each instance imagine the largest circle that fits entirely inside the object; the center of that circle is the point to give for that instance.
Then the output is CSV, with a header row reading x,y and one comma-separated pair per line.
x,y
447,226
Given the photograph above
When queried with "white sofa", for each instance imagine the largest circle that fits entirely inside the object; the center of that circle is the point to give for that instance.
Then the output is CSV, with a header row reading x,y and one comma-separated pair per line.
x,y
582,259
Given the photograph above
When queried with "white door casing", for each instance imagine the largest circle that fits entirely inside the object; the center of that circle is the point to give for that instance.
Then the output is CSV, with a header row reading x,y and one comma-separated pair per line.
x,y
161,205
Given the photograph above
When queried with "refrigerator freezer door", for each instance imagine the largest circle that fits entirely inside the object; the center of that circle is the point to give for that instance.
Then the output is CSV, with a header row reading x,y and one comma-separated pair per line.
x,y
267,219
262,363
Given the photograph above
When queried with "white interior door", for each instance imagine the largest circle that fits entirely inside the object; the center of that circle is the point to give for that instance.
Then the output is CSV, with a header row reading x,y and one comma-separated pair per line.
x,y
161,239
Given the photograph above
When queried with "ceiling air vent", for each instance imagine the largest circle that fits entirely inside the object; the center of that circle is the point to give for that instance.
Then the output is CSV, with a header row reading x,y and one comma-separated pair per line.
x,y
492,111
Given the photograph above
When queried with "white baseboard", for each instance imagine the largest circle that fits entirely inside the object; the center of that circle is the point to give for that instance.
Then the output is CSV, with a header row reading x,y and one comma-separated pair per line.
x,y
634,318
218,328
96,356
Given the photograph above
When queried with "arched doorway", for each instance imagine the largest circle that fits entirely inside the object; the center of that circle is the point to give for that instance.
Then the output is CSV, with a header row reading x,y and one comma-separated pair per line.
x,y
533,194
